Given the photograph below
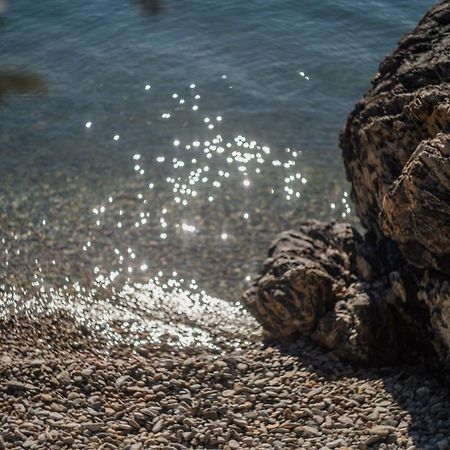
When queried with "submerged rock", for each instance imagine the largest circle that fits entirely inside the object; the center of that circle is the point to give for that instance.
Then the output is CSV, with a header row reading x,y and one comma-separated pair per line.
x,y
384,297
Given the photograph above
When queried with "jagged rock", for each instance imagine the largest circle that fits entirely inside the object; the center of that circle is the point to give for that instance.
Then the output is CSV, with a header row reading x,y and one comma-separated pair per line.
x,y
416,209
302,278
360,327
384,297
396,149
408,103
317,282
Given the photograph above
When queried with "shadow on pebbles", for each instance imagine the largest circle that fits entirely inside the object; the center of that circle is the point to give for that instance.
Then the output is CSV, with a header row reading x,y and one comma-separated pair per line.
x,y
64,386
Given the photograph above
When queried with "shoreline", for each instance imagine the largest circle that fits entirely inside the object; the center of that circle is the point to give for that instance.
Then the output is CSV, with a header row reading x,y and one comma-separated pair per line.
x,y
109,339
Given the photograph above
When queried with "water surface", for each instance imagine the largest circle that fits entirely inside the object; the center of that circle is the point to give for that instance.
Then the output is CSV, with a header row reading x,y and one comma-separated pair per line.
x,y
167,142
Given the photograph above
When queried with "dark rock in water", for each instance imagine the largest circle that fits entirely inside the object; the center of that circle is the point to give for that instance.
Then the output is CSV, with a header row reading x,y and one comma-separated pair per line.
x,y
384,297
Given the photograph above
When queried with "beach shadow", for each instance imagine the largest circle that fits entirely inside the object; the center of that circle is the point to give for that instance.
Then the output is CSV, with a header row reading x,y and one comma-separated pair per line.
x,y
423,394
11,82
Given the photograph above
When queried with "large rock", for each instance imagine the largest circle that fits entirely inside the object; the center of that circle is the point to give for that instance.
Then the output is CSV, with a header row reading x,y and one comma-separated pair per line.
x,y
408,103
416,209
302,278
323,281
384,297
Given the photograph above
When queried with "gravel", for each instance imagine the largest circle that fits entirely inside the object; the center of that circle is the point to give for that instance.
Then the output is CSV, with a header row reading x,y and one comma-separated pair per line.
x,y
63,387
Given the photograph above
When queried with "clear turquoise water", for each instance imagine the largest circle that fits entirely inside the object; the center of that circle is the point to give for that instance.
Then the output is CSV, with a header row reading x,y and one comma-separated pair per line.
x,y
281,74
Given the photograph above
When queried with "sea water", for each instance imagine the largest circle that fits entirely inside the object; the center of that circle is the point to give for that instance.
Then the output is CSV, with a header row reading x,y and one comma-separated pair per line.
x,y
167,142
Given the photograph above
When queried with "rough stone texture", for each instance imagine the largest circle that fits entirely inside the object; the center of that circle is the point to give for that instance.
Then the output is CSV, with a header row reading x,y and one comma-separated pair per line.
x,y
408,103
416,209
320,282
302,278
384,297
435,294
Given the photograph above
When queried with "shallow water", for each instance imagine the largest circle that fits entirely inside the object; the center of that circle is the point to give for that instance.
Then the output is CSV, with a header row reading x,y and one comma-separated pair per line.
x,y
162,140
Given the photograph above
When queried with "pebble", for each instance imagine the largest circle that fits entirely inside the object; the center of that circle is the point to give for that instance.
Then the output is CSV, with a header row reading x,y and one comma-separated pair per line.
x,y
121,380
372,440
422,391
36,362
158,426
334,444
64,377
55,415
228,393
15,385
382,430
92,426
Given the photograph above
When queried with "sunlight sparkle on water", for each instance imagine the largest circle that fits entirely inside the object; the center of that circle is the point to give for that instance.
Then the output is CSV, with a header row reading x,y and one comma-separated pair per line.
x,y
180,199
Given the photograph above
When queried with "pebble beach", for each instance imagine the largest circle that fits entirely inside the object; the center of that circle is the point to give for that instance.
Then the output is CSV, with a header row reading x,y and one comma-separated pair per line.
x,y
148,158
64,387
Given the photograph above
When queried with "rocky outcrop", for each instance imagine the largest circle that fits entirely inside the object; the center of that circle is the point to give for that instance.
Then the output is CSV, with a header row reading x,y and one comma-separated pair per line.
x,y
384,296
305,274
408,103
416,209
323,281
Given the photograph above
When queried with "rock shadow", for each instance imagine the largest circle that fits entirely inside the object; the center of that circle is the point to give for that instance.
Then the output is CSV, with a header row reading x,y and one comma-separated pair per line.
x,y
423,394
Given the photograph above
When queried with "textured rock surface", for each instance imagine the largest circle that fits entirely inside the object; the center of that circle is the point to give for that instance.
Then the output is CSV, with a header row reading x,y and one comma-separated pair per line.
x,y
435,294
320,282
416,209
384,297
408,103
302,278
